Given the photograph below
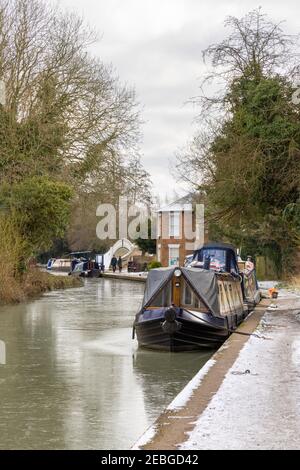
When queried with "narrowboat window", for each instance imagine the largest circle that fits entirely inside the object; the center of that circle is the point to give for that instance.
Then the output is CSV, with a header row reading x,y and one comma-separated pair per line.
x,y
157,302
216,257
221,297
187,297
233,266
164,298
190,299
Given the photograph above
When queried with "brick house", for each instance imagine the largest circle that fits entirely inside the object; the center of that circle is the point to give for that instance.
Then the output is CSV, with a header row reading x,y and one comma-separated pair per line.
x,y
172,243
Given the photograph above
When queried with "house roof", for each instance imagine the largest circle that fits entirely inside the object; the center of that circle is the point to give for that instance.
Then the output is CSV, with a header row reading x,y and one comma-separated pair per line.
x,y
182,204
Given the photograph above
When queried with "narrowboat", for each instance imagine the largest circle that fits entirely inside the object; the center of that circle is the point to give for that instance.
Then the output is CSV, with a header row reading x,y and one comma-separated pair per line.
x,y
77,263
196,306
60,265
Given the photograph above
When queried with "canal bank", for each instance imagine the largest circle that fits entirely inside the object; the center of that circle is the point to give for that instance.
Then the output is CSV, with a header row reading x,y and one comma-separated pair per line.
x,y
246,396
33,283
137,277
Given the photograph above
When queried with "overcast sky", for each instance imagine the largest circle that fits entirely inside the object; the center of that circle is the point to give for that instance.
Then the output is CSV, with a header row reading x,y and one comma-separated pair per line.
x,y
156,45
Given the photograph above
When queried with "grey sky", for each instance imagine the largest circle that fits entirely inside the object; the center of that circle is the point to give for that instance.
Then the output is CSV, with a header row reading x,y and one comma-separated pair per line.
x,y
156,45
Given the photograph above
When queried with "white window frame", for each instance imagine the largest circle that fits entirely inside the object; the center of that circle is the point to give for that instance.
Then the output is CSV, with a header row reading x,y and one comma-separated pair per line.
x,y
159,253
174,224
174,247
158,227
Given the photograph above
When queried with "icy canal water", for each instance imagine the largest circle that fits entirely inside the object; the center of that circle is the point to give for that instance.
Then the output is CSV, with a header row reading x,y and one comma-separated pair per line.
x,y
73,377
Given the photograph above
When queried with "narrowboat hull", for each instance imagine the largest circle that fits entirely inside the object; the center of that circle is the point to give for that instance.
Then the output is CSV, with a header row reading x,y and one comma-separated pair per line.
x,y
188,332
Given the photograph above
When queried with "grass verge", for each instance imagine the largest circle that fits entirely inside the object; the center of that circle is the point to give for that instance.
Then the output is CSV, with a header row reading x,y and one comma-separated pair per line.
x,y
33,284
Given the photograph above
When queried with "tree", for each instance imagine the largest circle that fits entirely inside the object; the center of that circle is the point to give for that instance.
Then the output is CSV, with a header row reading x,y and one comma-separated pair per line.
x,y
60,101
67,117
148,245
41,208
249,164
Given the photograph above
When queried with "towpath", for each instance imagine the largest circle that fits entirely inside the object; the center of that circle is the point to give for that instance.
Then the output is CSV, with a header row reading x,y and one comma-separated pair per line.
x,y
248,394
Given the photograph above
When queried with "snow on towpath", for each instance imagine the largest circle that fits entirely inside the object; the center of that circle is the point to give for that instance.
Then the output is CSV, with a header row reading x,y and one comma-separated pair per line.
x,y
258,403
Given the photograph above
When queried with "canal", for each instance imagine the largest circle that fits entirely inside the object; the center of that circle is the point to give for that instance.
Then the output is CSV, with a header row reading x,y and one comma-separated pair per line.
x,y
74,379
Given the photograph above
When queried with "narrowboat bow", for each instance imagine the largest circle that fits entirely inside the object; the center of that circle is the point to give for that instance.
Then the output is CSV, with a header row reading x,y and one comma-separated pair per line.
x,y
194,307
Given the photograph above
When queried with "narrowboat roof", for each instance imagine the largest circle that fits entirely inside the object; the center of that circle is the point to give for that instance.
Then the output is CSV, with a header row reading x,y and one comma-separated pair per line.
x,y
230,251
218,245
202,281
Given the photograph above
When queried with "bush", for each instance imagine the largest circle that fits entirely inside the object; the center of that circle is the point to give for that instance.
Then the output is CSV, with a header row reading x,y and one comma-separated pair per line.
x,y
17,282
11,248
154,265
42,208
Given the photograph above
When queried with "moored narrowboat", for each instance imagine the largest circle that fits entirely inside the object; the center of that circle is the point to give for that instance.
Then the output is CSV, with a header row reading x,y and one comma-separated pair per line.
x,y
77,263
197,306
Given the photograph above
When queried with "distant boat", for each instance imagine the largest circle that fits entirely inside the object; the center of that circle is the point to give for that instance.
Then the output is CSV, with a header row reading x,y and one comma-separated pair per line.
x,y
59,265
77,263
198,306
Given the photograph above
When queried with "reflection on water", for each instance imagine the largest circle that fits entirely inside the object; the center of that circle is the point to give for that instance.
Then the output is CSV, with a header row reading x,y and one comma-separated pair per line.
x,y
74,379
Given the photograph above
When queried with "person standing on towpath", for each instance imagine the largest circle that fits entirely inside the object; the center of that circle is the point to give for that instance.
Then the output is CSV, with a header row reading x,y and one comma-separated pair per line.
x,y
120,264
114,263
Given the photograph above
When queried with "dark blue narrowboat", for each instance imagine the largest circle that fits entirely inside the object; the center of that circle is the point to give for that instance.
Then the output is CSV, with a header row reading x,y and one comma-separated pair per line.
x,y
197,306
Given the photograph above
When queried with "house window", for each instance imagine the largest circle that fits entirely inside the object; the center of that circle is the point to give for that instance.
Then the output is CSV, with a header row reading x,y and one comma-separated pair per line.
x,y
174,224
173,255
159,253
158,227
